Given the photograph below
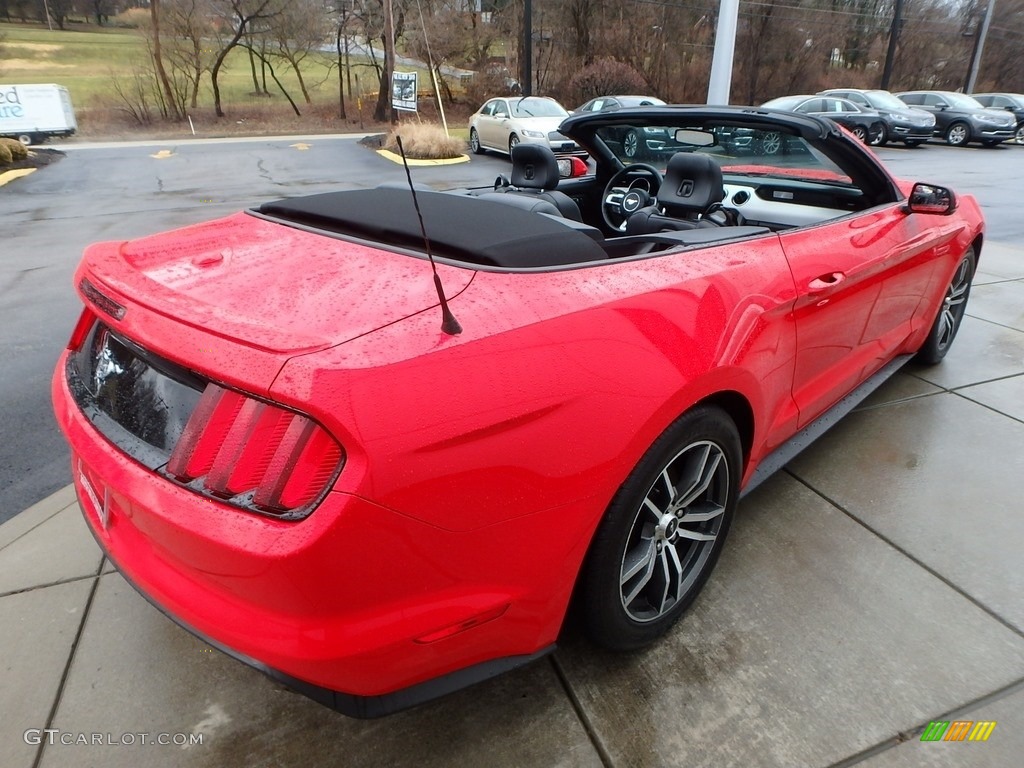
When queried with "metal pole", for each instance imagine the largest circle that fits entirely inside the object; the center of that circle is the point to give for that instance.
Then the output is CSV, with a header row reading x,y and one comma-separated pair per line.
x,y
527,63
894,36
979,48
46,10
725,45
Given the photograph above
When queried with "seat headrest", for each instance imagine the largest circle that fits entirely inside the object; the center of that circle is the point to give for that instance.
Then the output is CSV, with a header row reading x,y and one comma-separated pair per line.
x,y
692,183
534,167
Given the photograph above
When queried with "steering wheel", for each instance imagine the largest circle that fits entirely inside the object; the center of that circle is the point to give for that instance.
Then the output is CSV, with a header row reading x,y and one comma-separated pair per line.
x,y
620,198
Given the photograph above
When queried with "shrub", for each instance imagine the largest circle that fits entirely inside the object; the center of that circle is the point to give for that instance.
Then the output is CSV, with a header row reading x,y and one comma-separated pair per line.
x,y
606,77
18,150
5,156
425,141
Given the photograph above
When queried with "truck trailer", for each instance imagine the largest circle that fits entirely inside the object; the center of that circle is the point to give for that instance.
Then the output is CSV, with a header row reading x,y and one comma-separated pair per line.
x,y
33,113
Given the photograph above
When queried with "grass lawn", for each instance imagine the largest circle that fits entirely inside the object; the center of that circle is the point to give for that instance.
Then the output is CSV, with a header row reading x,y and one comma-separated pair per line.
x,y
86,59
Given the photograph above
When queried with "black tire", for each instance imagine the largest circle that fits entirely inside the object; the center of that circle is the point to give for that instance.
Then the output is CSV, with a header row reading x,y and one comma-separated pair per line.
x,y
958,133
951,313
631,144
474,142
882,137
26,139
651,521
512,141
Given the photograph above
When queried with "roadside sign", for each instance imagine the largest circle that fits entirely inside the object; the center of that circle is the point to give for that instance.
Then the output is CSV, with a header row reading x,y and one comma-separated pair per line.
x,y
403,91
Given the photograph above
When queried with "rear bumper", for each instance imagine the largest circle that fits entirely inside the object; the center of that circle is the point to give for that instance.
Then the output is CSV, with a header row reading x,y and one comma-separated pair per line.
x,y
357,606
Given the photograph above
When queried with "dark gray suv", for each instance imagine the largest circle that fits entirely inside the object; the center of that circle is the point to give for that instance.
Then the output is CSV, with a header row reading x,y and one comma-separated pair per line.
x,y
899,122
960,119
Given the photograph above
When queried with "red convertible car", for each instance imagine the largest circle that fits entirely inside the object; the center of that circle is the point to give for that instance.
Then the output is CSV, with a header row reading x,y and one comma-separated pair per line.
x,y
379,483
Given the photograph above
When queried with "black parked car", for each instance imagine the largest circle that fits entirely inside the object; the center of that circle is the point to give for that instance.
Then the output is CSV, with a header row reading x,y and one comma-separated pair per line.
x,y
960,119
864,123
1011,102
899,122
637,142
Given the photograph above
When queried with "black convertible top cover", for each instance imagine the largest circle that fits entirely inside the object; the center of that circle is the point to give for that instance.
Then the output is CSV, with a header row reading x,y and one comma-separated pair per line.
x,y
460,227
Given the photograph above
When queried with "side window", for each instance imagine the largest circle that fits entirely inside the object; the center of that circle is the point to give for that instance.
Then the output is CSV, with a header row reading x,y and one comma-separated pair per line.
x,y
1000,101
931,100
500,109
487,108
857,98
812,105
596,105
912,99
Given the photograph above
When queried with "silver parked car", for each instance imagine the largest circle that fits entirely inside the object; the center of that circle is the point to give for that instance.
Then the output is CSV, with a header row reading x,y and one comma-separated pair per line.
x,y
502,123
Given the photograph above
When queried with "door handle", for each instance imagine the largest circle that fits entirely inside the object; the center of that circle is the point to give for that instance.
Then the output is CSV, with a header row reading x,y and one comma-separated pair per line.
x,y
824,282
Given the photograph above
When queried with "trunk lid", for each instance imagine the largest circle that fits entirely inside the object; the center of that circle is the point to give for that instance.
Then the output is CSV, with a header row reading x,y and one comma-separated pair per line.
x,y
269,286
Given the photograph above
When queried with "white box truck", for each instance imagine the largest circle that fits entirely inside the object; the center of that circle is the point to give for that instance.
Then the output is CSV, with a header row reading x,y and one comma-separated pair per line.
x,y
33,113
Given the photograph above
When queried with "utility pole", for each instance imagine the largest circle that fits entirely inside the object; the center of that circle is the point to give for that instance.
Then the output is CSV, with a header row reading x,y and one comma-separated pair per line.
x,y
720,82
894,36
527,63
389,58
979,49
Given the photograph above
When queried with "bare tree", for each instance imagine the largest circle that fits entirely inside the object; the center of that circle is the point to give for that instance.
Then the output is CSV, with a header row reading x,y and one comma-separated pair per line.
x,y
158,59
299,30
239,16
189,50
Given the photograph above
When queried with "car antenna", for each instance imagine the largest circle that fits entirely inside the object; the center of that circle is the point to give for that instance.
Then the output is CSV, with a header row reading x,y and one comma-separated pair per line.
x,y
449,324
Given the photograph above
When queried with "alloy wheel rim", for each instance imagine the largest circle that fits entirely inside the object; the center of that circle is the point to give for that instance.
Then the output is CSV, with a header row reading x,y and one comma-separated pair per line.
x,y
674,532
1020,134
630,144
474,140
772,142
957,134
954,304
860,133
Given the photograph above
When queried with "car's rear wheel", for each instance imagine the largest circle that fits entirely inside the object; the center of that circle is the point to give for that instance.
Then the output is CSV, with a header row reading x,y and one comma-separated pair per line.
x,y
951,313
474,142
771,143
663,531
882,137
26,139
513,140
631,143
860,133
958,134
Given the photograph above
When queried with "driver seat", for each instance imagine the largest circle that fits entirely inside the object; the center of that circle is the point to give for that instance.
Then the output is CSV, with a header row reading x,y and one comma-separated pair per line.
x,y
693,183
535,174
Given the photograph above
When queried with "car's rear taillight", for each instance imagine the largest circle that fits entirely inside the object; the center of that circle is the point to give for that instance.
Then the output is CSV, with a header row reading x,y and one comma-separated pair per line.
x,y
254,454
82,328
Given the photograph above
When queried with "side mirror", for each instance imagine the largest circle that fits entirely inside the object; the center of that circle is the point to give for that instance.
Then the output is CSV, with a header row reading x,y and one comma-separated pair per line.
x,y
927,198
571,167
942,105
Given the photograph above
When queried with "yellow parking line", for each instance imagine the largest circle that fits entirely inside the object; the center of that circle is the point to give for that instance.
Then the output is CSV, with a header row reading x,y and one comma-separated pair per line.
x,y
398,159
8,176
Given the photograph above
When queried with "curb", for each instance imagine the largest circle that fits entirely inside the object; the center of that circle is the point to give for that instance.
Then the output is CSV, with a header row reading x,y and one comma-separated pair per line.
x,y
398,159
8,176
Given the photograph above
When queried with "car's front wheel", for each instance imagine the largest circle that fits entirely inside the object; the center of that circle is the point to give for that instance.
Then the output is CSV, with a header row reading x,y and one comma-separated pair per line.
x,y
771,143
951,313
631,143
958,134
663,531
1019,135
474,142
882,137
513,140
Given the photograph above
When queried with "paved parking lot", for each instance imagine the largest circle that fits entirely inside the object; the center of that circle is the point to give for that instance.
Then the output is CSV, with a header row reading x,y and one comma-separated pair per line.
x,y
872,586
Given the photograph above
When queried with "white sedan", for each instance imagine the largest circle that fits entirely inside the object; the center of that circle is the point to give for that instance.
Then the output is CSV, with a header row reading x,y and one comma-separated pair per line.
x,y
502,123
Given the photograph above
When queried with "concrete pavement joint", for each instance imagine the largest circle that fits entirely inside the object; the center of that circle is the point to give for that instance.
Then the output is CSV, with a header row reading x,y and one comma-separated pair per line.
x,y
920,563
70,580
995,410
581,715
957,713
71,660
26,533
